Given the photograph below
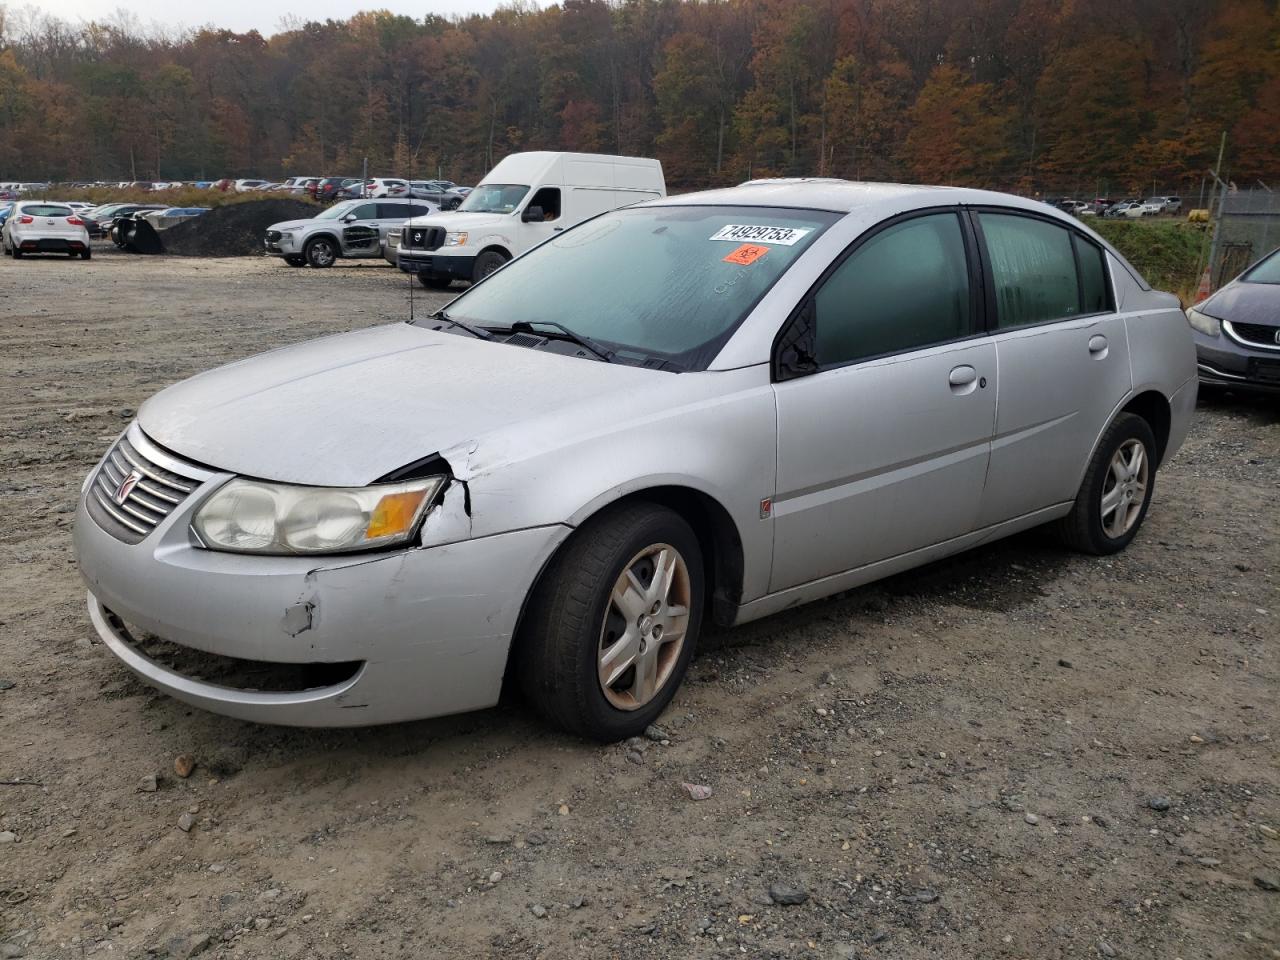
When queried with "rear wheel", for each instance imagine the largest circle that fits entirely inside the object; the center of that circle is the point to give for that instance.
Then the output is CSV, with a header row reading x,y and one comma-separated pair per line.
x,y
435,283
612,626
1116,490
320,252
17,254
86,254
486,263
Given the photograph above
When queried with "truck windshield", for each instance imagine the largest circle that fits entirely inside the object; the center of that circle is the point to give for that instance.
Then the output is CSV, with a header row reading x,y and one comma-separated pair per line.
x,y
494,198
664,282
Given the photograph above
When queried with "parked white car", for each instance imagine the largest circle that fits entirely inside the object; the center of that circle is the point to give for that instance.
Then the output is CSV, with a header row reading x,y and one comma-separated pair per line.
x,y
526,199
246,186
352,228
38,227
1152,207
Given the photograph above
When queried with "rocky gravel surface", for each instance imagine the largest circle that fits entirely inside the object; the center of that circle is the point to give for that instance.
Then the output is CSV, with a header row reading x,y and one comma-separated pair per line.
x,y
1016,753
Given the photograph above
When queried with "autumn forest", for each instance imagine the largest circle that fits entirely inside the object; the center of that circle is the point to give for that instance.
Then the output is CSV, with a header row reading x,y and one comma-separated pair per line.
x,y
1035,96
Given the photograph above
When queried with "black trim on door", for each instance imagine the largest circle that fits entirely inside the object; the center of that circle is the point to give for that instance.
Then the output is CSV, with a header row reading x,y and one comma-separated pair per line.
x,y
793,354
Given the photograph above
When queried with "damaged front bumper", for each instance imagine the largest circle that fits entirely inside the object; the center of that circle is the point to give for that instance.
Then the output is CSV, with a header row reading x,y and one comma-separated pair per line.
x,y
426,630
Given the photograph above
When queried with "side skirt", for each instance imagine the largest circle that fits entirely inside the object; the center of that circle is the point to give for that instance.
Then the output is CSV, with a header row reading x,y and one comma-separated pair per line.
x,y
839,582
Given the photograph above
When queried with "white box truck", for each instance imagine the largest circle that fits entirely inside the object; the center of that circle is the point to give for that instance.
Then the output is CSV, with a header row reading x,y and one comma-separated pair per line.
x,y
526,199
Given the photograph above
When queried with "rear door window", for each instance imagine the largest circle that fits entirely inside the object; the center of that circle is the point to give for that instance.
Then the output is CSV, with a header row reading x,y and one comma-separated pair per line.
x,y
1033,266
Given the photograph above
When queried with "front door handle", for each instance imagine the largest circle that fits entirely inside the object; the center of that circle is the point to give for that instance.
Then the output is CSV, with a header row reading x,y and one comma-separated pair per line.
x,y
963,379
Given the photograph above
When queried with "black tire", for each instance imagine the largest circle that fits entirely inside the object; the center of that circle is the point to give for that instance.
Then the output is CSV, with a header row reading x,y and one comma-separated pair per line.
x,y
435,283
1083,528
320,252
486,263
86,254
16,253
558,650
296,261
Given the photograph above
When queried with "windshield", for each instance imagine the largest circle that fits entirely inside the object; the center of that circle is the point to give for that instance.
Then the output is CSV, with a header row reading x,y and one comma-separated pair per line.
x,y
671,282
494,198
1266,270
337,210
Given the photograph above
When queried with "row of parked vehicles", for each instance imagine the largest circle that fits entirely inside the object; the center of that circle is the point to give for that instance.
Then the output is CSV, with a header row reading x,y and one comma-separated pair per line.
x,y
444,193
1129,208
526,199
53,226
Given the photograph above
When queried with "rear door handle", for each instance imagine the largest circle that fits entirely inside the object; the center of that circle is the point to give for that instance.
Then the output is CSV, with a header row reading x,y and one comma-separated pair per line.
x,y
1097,343
962,375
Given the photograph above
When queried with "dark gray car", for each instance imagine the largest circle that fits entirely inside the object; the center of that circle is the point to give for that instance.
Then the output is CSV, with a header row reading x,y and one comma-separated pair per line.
x,y
1237,330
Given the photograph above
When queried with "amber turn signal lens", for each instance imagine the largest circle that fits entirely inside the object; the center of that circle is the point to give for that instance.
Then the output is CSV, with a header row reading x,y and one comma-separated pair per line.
x,y
394,513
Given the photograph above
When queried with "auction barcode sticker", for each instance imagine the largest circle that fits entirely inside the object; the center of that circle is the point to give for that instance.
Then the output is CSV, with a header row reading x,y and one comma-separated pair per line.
x,y
744,232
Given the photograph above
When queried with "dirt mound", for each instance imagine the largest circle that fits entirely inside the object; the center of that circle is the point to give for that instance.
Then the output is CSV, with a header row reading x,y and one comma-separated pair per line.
x,y
234,230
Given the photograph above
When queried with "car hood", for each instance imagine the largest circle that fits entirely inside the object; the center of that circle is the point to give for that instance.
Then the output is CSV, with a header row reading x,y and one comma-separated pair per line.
x,y
293,224
348,409
1245,303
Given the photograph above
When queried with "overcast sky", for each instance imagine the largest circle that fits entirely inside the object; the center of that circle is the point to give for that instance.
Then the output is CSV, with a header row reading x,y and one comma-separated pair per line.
x,y
242,15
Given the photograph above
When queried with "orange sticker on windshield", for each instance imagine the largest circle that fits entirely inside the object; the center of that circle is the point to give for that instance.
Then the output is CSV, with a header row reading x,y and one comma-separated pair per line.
x,y
747,253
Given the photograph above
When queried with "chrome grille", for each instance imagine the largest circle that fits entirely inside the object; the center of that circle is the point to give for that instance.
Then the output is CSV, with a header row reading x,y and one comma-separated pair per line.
x,y
131,510
1254,334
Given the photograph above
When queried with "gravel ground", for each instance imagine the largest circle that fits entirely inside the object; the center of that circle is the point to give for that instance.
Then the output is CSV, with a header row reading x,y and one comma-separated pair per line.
x,y
1016,753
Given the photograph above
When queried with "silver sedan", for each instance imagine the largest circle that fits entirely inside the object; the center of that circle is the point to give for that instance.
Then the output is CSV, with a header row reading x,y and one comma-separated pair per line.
x,y
709,407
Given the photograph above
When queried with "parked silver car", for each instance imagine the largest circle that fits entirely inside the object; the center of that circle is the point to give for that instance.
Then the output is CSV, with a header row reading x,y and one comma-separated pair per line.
x,y
351,228
712,406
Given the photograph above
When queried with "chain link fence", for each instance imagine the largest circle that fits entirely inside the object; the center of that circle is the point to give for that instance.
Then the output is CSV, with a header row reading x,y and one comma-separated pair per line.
x,y
1246,228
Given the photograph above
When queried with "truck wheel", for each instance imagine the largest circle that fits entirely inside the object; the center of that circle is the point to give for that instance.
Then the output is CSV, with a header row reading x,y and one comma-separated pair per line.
x,y
1116,490
435,283
486,263
612,626
320,252
296,261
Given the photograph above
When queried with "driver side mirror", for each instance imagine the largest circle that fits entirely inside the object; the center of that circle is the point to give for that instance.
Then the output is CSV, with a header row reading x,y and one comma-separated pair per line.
x,y
348,218
532,214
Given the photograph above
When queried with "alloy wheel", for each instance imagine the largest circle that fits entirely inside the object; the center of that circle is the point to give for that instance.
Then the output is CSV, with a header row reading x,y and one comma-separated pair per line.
x,y
644,627
1125,490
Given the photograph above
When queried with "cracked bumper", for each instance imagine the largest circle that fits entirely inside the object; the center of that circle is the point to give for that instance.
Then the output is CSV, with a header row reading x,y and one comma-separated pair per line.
x,y
432,626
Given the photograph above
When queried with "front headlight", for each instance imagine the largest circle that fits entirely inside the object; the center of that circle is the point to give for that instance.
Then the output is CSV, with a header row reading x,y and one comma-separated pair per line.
x,y
285,236
1209,326
248,516
455,239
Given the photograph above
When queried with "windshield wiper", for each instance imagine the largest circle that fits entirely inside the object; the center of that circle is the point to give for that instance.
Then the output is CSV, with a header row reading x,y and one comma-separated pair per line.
x,y
604,353
478,332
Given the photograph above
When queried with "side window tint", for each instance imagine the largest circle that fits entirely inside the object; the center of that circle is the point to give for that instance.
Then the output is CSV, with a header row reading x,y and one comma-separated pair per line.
x,y
1093,276
906,287
366,211
1034,268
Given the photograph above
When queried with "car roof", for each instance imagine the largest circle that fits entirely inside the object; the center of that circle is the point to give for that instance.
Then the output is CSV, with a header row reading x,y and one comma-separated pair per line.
x,y
840,196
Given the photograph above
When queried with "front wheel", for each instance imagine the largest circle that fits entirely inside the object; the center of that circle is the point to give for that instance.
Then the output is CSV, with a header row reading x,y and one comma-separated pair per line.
x,y
1116,490
613,624
486,263
320,252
